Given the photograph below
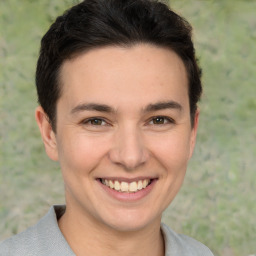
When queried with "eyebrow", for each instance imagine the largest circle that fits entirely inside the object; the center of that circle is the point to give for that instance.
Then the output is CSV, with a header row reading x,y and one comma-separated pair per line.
x,y
92,107
107,109
163,105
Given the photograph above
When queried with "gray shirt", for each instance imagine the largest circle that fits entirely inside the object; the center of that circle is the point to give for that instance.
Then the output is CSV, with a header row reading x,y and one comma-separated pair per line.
x,y
46,239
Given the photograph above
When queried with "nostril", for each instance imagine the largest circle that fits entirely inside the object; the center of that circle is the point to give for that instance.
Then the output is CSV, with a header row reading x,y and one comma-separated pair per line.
x,y
128,159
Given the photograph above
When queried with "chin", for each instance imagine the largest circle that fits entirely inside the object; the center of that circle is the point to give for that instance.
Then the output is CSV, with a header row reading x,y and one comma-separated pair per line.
x,y
131,221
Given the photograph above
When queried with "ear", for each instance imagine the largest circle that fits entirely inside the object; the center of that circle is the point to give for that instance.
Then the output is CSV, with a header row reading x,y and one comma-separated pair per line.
x,y
47,133
194,133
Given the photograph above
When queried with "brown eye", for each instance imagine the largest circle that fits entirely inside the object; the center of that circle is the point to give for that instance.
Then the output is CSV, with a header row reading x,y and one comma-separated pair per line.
x,y
159,120
96,121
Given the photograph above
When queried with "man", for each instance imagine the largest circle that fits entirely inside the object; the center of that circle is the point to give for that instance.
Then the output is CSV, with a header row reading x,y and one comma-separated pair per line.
x,y
118,86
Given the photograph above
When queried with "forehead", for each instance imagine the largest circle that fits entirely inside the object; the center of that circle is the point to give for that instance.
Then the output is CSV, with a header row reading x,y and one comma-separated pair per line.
x,y
124,74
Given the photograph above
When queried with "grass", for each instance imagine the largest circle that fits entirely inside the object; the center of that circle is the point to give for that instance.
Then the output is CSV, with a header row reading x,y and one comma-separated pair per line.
x,y
217,204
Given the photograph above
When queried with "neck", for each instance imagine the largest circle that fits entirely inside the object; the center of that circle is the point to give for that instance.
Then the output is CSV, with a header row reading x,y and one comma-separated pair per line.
x,y
87,237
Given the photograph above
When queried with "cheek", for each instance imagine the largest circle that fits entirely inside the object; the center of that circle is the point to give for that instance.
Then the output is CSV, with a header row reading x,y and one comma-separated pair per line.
x,y
172,150
81,153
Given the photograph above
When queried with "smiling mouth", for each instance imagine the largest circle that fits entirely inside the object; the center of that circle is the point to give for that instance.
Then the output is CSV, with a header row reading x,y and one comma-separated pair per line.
x,y
126,187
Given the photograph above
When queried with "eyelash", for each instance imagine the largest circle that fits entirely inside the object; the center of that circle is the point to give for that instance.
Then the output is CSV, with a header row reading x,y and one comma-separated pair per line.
x,y
87,121
166,120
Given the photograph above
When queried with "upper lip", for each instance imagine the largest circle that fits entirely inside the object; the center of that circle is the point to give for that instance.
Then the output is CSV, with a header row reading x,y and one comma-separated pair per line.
x,y
128,180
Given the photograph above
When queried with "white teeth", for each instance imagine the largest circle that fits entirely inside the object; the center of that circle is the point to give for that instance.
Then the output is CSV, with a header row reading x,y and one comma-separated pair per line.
x,y
133,187
111,184
125,186
117,185
139,185
145,183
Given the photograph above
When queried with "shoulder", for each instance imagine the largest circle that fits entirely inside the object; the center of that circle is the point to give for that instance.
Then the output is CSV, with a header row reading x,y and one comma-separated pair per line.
x,y
177,244
44,238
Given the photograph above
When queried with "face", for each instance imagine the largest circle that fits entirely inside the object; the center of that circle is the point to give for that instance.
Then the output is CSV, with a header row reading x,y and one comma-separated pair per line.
x,y
124,134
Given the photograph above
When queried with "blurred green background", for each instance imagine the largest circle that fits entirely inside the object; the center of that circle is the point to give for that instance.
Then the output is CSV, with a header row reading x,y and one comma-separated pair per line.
x,y
217,204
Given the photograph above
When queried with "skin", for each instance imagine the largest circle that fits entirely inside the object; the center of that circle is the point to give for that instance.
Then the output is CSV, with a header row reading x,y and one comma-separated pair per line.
x,y
123,140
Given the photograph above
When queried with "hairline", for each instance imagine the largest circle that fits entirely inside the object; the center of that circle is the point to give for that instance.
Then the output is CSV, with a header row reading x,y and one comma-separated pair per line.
x,y
76,54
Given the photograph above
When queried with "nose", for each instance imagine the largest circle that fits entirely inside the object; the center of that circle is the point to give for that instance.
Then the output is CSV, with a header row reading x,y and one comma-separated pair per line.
x,y
128,149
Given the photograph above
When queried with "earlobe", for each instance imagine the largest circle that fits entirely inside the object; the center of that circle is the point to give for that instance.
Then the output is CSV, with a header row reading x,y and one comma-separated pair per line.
x,y
47,133
194,133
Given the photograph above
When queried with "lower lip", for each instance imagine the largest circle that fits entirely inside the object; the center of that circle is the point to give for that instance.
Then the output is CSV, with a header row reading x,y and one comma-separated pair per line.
x,y
129,197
